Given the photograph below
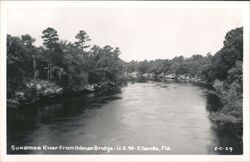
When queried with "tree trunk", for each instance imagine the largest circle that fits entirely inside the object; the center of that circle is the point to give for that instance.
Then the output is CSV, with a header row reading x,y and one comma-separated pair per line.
x,y
48,70
34,66
33,63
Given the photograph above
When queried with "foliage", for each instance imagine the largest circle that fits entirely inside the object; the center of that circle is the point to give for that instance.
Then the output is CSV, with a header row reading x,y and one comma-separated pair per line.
x,y
193,66
106,64
71,75
67,64
82,39
226,58
50,37
19,63
231,75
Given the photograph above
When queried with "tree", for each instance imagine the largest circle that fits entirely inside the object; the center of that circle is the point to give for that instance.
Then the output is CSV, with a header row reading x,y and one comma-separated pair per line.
x,y
28,43
82,40
18,65
226,58
50,38
227,67
73,76
143,66
106,64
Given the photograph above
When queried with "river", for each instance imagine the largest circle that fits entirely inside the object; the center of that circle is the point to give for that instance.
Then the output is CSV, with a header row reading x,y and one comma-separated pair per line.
x,y
168,115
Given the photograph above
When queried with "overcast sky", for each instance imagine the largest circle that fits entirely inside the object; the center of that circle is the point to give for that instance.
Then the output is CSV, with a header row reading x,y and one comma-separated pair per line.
x,y
139,33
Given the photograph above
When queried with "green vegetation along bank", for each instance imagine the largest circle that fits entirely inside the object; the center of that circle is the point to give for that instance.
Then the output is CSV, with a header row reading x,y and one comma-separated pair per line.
x,y
59,67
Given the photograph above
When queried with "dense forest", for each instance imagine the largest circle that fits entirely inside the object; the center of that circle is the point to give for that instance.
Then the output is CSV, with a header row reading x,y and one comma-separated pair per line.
x,y
60,67
58,63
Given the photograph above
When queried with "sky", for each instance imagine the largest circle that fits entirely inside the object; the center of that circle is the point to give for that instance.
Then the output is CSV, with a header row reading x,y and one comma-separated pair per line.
x,y
140,33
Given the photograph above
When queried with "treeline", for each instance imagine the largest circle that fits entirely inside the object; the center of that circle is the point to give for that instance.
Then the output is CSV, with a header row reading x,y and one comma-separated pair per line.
x,y
193,66
226,74
58,64
222,71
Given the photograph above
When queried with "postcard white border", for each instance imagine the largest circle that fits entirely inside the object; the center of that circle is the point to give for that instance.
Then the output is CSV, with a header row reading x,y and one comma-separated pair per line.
x,y
124,4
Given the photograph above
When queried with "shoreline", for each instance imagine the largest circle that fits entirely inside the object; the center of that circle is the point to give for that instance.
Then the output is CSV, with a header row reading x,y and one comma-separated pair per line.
x,y
32,94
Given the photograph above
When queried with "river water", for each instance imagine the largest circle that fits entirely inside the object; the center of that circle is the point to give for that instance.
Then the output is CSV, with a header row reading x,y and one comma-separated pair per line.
x,y
166,115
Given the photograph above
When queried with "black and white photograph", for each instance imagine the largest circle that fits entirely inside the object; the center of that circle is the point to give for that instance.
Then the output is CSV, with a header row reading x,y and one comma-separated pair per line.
x,y
126,79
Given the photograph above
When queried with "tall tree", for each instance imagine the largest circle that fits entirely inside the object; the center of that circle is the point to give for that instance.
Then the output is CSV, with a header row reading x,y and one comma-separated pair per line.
x,y
28,43
82,40
50,38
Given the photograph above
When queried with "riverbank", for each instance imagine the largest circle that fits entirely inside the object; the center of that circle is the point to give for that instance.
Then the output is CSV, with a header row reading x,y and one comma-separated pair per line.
x,y
137,76
229,118
38,89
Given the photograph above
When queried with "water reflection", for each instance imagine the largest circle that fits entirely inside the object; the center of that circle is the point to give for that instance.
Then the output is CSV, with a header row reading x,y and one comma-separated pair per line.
x,y
213,103
141,114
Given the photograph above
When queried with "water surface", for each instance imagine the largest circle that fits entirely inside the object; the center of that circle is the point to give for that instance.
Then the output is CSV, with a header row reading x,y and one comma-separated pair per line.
x,y
173,115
